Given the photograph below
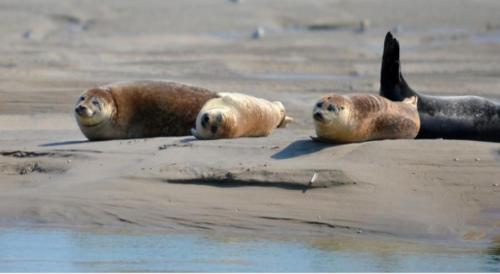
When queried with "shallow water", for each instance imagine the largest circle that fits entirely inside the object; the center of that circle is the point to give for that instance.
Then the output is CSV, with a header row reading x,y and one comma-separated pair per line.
x,y
28,250
492,37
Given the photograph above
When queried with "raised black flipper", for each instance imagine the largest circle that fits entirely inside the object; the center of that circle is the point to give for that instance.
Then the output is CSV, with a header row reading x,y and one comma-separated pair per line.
x,y
392,83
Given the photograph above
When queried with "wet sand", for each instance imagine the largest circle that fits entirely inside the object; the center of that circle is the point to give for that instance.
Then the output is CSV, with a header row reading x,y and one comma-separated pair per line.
x,y
410,189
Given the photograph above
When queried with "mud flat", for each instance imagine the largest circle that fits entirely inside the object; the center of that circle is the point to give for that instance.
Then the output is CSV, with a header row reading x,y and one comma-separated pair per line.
x,y
408,189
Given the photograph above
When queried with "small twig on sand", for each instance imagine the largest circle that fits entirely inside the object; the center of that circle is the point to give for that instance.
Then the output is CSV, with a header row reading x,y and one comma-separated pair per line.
x,y
313,179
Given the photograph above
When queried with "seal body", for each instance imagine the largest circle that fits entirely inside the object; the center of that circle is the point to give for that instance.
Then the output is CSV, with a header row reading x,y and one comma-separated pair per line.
x,y
448,117
359,118
139,109
234,115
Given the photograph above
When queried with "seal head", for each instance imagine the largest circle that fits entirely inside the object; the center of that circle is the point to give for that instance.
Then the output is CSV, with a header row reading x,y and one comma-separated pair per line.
x,y
94,107
214,124
331,109
332,115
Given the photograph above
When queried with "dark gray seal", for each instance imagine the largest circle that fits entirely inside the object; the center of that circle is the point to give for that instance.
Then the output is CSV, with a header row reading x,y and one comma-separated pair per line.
x,y
447,117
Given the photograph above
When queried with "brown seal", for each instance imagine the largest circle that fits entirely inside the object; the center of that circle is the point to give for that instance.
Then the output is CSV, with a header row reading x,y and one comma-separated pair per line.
x,y
236,115
139,109
359,118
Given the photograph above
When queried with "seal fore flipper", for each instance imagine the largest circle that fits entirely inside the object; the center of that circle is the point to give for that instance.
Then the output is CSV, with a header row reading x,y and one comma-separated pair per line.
x,y
196,135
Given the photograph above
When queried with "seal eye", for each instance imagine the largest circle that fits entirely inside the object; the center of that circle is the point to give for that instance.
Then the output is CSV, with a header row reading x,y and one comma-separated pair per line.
x,y
95,103
81,98
219,118
204,119
319,104
341,108
331,108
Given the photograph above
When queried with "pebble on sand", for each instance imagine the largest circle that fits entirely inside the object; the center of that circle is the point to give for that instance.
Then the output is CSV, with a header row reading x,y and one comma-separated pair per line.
x,y
258,33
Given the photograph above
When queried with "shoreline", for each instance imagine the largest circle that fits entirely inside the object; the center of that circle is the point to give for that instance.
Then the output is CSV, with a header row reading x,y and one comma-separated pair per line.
x,y
407,189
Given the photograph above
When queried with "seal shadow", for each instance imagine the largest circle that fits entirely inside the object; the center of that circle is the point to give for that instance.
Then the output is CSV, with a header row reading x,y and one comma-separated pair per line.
x,y
300,148
64,143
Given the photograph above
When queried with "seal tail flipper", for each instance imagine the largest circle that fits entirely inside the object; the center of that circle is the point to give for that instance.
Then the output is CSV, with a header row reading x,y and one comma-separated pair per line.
x,y
285,122
286,119
392,83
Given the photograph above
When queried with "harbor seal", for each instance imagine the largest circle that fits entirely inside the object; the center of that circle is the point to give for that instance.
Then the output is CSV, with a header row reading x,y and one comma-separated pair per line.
x,y
448,117
359,118
139,109
236,115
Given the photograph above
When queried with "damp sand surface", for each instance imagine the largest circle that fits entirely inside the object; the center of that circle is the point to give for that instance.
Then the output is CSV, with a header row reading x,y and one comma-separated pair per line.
x,y
417,190
393,188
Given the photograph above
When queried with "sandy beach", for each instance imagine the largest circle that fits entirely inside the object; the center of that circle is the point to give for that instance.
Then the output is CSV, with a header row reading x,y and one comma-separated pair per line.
x,y
408,189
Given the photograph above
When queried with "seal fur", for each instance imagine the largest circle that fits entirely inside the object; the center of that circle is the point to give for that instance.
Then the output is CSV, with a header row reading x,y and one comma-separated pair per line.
x,y
448,117
359,118
139,109
236,115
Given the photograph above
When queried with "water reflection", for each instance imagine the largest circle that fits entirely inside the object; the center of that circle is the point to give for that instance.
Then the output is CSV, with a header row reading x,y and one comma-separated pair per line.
x,y
41,250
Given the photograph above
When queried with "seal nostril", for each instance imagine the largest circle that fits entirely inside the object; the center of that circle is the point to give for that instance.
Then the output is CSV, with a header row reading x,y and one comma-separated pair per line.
x,y
318,116
213,129
80,109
